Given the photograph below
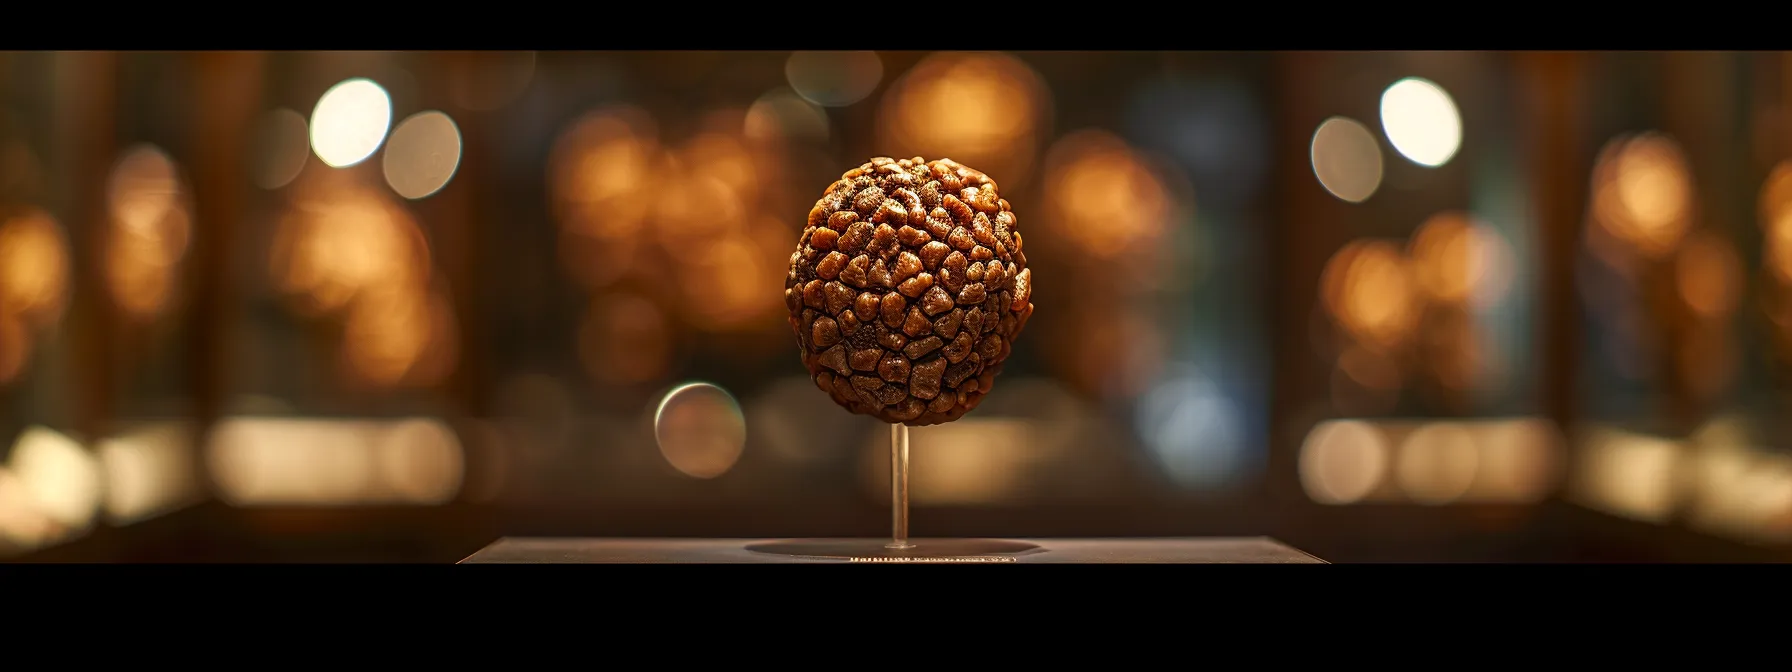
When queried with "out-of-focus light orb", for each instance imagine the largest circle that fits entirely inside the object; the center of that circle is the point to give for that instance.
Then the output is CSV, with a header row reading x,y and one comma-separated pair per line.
x,y
782,115
1343,461
1643,193
980,109
281,149
1437,463
1191,428
149,233
1104,196
1421,121
1458,260
423,461
1368,288
834,78
60,477
350,122
1346,159
422,155
700,429
34,267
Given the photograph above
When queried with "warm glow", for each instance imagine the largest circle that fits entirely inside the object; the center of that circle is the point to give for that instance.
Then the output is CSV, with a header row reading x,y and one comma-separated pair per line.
x,y
1343,461
15,348
1103,195
1346,159
274,461
980,109
700,430
34,267
1421,121
148,471
150,228
1456,260
350,122
1368,288
1643,193
61,479
1631,475
1437,463
422,155
600,182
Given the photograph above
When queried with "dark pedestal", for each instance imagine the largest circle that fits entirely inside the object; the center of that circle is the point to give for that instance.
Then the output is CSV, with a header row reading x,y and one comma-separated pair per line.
x,y
525,550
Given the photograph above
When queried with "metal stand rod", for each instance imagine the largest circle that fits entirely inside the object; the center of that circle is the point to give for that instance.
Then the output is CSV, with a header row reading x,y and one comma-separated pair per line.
x,y
898,488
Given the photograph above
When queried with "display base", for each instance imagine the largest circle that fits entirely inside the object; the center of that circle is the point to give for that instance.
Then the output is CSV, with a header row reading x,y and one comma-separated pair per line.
x,y
515,550
878,550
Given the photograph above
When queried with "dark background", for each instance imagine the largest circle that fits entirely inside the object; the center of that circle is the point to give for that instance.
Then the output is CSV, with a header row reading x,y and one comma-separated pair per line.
x,y
244,319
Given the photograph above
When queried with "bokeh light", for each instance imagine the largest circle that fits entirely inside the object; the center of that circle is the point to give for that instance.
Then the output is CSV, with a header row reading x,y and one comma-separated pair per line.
x,y
350,122
1343,461
1104,197
983,110
34,268
60,477
834,78
1458,260
150,227
1421,121
1643,193
1346,159
281,148
422,155
1367,286
700,430
1437,463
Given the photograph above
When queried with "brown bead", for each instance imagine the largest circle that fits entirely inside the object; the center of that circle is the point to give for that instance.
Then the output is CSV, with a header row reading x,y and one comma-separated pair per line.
x,y
947,325
931,255
839,297
866,201
942,402
973,321
906,289
866,307
834,358
958,349
917,323
936,301
893,309
824,333
907,265
960,238
892,340
856,237
864,360
915,286
893,368
919,348
857,272
972,293
831,265
925,383
912,237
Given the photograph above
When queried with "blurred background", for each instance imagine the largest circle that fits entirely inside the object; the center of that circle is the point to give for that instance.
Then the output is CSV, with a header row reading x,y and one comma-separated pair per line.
x,y
1384,306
